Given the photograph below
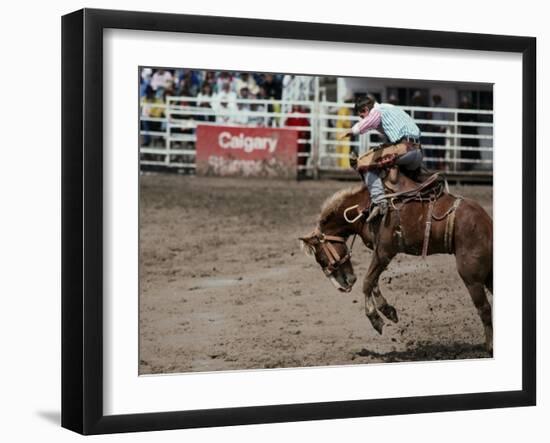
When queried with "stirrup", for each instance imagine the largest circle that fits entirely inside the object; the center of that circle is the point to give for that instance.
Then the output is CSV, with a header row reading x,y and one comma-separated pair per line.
x,y
379,209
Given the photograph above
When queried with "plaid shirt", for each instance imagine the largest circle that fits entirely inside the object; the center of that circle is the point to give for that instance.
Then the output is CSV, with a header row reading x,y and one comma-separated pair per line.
x,y
389,120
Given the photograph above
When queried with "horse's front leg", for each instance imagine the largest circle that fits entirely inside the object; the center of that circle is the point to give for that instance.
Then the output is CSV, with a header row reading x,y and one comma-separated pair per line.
x,y
371,291
383,306
372,313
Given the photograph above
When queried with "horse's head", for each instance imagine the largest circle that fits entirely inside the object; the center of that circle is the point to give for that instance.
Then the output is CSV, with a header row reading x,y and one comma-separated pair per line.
x,y
327,243
332,254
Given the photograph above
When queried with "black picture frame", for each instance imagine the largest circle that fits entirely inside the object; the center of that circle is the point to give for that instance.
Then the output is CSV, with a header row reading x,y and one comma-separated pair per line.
x,y
82,218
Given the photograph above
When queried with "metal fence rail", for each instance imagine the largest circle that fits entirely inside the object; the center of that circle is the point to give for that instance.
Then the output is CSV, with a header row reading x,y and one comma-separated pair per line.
x,y
457,141
447,145
174,145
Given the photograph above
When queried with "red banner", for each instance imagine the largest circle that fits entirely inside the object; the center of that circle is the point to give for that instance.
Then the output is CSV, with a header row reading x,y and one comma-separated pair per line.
x,y
244,151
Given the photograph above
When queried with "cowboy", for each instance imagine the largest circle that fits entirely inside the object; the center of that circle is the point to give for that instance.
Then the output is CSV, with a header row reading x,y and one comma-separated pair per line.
x,y
399,129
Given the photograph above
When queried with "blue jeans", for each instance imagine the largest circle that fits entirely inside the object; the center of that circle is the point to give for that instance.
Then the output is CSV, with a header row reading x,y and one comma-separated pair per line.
x,y
410,161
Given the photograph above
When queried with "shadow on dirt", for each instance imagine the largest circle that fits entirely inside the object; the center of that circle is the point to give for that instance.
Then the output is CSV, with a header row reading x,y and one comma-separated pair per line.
x,y
426,351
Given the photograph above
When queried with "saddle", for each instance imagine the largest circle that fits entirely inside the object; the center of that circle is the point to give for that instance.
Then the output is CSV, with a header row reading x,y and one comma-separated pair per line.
x,y
421,187
421,183
399,192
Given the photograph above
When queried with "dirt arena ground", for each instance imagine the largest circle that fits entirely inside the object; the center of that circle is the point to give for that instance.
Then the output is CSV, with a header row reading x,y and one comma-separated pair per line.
x,y
225,286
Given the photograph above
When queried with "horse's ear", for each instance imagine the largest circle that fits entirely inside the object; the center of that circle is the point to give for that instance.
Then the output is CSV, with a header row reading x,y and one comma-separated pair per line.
x,y
307,243
308,239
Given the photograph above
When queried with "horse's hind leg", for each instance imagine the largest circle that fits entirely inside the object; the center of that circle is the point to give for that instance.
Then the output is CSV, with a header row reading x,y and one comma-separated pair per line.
x,y
474,260
479,297
383,306
475,269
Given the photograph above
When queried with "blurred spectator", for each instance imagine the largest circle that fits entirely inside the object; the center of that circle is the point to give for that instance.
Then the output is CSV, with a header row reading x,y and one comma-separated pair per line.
x,y
259,78
225,113
188,85
210,79
297,87
273,88
262,95
465,103
244,108
244,93
205,94
162,79
418,100
184,89
204,101
297,118
264,120
224,82
225,94
178,77
150,109
146,74
246,81
343,123
438,155
259,119
224,102
393,100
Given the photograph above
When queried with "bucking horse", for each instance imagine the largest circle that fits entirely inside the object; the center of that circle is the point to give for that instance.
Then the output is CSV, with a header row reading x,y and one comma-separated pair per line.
x,y
423,219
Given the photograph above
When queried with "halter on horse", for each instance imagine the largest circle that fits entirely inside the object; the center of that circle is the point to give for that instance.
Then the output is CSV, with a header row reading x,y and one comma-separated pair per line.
x,y
334,258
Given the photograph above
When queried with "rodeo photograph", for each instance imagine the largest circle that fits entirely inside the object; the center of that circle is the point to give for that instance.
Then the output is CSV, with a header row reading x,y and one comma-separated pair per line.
x,y
290,221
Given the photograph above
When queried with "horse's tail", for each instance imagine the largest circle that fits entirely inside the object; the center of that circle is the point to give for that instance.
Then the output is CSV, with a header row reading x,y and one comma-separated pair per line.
x,y
489,281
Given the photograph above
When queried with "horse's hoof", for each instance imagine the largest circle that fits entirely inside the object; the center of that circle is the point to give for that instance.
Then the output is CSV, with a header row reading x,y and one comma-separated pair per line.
x,y
376,322
389,312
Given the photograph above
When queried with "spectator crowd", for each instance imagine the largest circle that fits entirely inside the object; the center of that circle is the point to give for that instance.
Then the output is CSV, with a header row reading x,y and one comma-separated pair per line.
x,y
191,83
217,90
220,93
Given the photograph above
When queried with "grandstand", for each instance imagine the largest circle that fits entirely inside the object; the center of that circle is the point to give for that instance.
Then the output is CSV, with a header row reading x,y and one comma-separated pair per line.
x,y
456,119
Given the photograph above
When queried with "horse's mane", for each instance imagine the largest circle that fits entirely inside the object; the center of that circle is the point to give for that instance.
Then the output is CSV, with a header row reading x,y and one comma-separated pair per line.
x,y
334,202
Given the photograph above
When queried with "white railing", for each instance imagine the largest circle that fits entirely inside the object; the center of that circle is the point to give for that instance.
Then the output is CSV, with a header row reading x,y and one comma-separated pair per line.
x,y
173,144
453,140
446,144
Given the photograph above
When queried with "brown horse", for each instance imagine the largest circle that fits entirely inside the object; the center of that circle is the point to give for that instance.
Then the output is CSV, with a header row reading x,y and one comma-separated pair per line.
x,y
403,229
